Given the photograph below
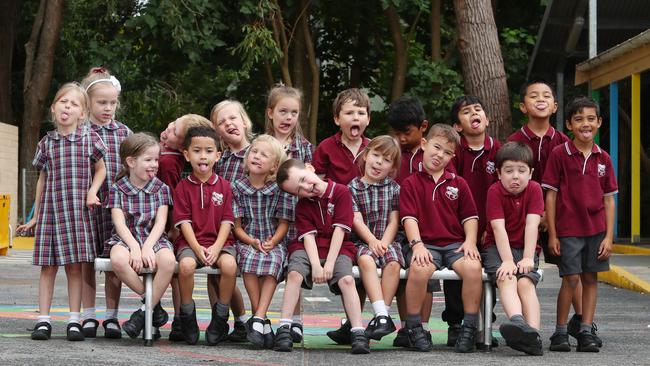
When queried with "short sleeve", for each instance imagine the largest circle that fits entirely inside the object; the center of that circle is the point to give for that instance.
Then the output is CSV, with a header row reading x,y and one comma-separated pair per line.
x,y
284,208
535,199
394,200
494,204
608,182
165,196
355,198
466,206
114,197
309,151
227,205
182,211
408,199
304,223
237,209
551,178
320,160
98,149
343,214
41,158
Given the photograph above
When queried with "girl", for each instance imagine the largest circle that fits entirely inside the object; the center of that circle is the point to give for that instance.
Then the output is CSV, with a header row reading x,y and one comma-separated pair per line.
x,y
375,200
283,122
262,214
65,192
103,91
139,203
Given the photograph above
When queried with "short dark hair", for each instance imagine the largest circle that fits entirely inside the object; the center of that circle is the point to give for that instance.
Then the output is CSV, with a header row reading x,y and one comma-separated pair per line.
x,y
578,104
199,131
461,102
524,88
404,112
515,151
353,95
283,171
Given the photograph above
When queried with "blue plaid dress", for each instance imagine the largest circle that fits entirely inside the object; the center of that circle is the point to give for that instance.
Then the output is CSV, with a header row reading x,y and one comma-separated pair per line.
x,y
112,133
300,148
259,210
375,202
64,233
139,207
231,165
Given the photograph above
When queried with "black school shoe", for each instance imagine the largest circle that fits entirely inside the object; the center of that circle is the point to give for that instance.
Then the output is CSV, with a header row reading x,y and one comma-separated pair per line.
x,y
134,325
90,332
522,337
160,316
283,341
419,339
560,342
42,334
587,342
189,326
466,342
452,334
217,330
176,333
402,338
573,328
341,335
379,327
295,335
74,335
269,336
110,332
360,343
239,332
254,336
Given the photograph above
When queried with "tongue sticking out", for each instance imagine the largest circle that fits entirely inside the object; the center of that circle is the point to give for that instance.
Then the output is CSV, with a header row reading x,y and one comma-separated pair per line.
x,y
151,174
203,168
355,131
476,123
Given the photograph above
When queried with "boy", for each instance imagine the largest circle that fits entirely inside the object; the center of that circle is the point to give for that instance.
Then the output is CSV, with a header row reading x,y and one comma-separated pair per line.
x,y
580,211
321,252
441,224
335,157
203,211
510,252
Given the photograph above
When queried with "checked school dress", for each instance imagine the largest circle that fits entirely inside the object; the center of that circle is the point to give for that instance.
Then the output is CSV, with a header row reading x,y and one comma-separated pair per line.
x,y
112,134
375,202
300,148
139,207
231,165
259,210
64,232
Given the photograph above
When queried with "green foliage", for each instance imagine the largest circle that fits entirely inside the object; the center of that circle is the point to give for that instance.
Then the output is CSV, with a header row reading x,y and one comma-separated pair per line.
x,y
516,47
258,45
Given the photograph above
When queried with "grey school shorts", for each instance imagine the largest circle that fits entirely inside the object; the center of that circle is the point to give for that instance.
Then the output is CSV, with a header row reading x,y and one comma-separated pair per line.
x,y
580,255
299,262
443,257
432,285
187,252
492,261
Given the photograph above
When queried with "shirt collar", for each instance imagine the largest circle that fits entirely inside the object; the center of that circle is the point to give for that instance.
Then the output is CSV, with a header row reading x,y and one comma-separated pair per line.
x,y
446,175
81,131
488,143
505,192
360,185
338,138
526,131
571,148
240,154
269,188
125,185
112,125
214,178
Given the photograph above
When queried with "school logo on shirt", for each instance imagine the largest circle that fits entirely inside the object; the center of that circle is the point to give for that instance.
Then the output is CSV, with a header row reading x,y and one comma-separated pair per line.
x,y
601,170
452,193
330,209
490,167
217,199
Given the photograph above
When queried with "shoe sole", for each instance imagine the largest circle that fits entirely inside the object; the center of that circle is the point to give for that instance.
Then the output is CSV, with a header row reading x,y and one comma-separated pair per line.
x,y
112,334
256,341
337,340
283,348
560,348
591,348
360,351
40,337
131,332
520,340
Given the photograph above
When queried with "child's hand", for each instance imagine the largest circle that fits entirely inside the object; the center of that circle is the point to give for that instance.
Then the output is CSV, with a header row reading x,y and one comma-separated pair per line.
x,y
92,200
136,259
257,244
209,257
202,255
318,274
507,269
148,257
214,253
268,244
328,270
605,249
27,226
554,245
469,250
377,248
526,265
421,256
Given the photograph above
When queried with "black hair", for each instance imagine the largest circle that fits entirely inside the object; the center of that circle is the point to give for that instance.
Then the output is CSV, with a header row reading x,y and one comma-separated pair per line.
x,y
283,171
524,88
461,102
515,151
200,131
578,104
404,112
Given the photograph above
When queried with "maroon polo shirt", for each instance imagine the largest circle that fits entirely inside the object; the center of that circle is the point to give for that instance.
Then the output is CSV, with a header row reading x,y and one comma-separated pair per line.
x,y
478,168
501,204
541,147
411,163
440,208
205,205
580,183
170,166
320,215
333,159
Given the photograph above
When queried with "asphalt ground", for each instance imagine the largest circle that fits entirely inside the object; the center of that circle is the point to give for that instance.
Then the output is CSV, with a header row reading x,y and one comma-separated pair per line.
x,y
622,316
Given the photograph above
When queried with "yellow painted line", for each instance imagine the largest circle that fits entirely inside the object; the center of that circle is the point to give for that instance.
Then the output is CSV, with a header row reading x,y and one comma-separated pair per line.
x,y
630,249
619,277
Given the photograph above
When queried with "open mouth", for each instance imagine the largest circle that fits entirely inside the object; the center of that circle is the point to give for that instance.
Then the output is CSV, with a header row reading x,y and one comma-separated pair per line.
x,y
203,167
475,122
355,131
541,106
151,173
233,131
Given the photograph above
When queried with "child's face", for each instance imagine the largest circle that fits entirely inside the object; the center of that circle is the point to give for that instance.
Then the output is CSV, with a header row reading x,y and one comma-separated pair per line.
x,y
202,154
353,120
302,183
230,125
261,159
68,111
514,176
584,125
144,167
437,153
472,120
538,102
284,116
378,166
411,137
103,103
172,136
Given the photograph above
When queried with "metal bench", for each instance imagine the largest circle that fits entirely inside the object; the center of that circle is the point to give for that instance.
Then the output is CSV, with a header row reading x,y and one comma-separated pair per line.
x,y
104,265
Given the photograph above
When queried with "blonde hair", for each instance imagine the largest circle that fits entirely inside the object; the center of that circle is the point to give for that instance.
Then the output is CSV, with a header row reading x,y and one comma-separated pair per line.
x,y
444,131
65,89
248,128
133,146
193,120
353,95
276,148
278,92
95,74
385,145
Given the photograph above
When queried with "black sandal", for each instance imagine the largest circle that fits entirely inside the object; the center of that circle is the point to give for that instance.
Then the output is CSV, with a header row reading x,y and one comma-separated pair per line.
x,y
90,332
74,334
111,332
42,334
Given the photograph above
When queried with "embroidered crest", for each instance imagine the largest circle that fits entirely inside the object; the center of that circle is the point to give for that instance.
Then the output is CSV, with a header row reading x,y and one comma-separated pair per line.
x,y
217,199
601,170
452,193
490,167
330,209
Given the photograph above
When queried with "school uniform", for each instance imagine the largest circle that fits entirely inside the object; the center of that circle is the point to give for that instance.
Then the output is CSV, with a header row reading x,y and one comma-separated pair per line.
x,y
581,183
541,147
170,166
375,202
64,232
259,210
335,161
300,148
411,163
139,207
231,165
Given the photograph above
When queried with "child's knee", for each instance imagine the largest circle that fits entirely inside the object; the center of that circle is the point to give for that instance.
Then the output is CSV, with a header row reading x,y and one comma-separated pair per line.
x,y
571,280
392,267
421,273
589,279
186,266
525,284
346,282
165,261
294,277
227,265
366,262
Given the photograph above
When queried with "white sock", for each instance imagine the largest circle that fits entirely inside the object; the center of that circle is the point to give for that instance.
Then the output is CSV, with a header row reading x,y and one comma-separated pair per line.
x,y
285,321
357,329
243,318
89,313
257,326
267,328
111,314
297,319
379,308
425,326
74,318
45,319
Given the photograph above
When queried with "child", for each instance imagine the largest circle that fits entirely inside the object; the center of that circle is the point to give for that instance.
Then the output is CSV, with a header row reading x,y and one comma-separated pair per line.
x,y
580,211
139,202
262,215
103,91
321,253
510,251
203,212
335,157
441,224
283,122
65,193
375,201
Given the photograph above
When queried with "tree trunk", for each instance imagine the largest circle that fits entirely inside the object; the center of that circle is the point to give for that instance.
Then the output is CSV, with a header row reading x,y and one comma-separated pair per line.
x,y
277,21
483,71
315,74
39,65
434,20
401,56
8,12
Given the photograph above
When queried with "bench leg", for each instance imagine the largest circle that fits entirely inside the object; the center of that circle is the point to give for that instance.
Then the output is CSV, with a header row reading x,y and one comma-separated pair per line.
x,y
487,315
148,309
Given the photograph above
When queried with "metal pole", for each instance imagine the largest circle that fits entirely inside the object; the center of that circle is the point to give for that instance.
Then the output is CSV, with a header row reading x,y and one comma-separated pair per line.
x,y
593,29
24,187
